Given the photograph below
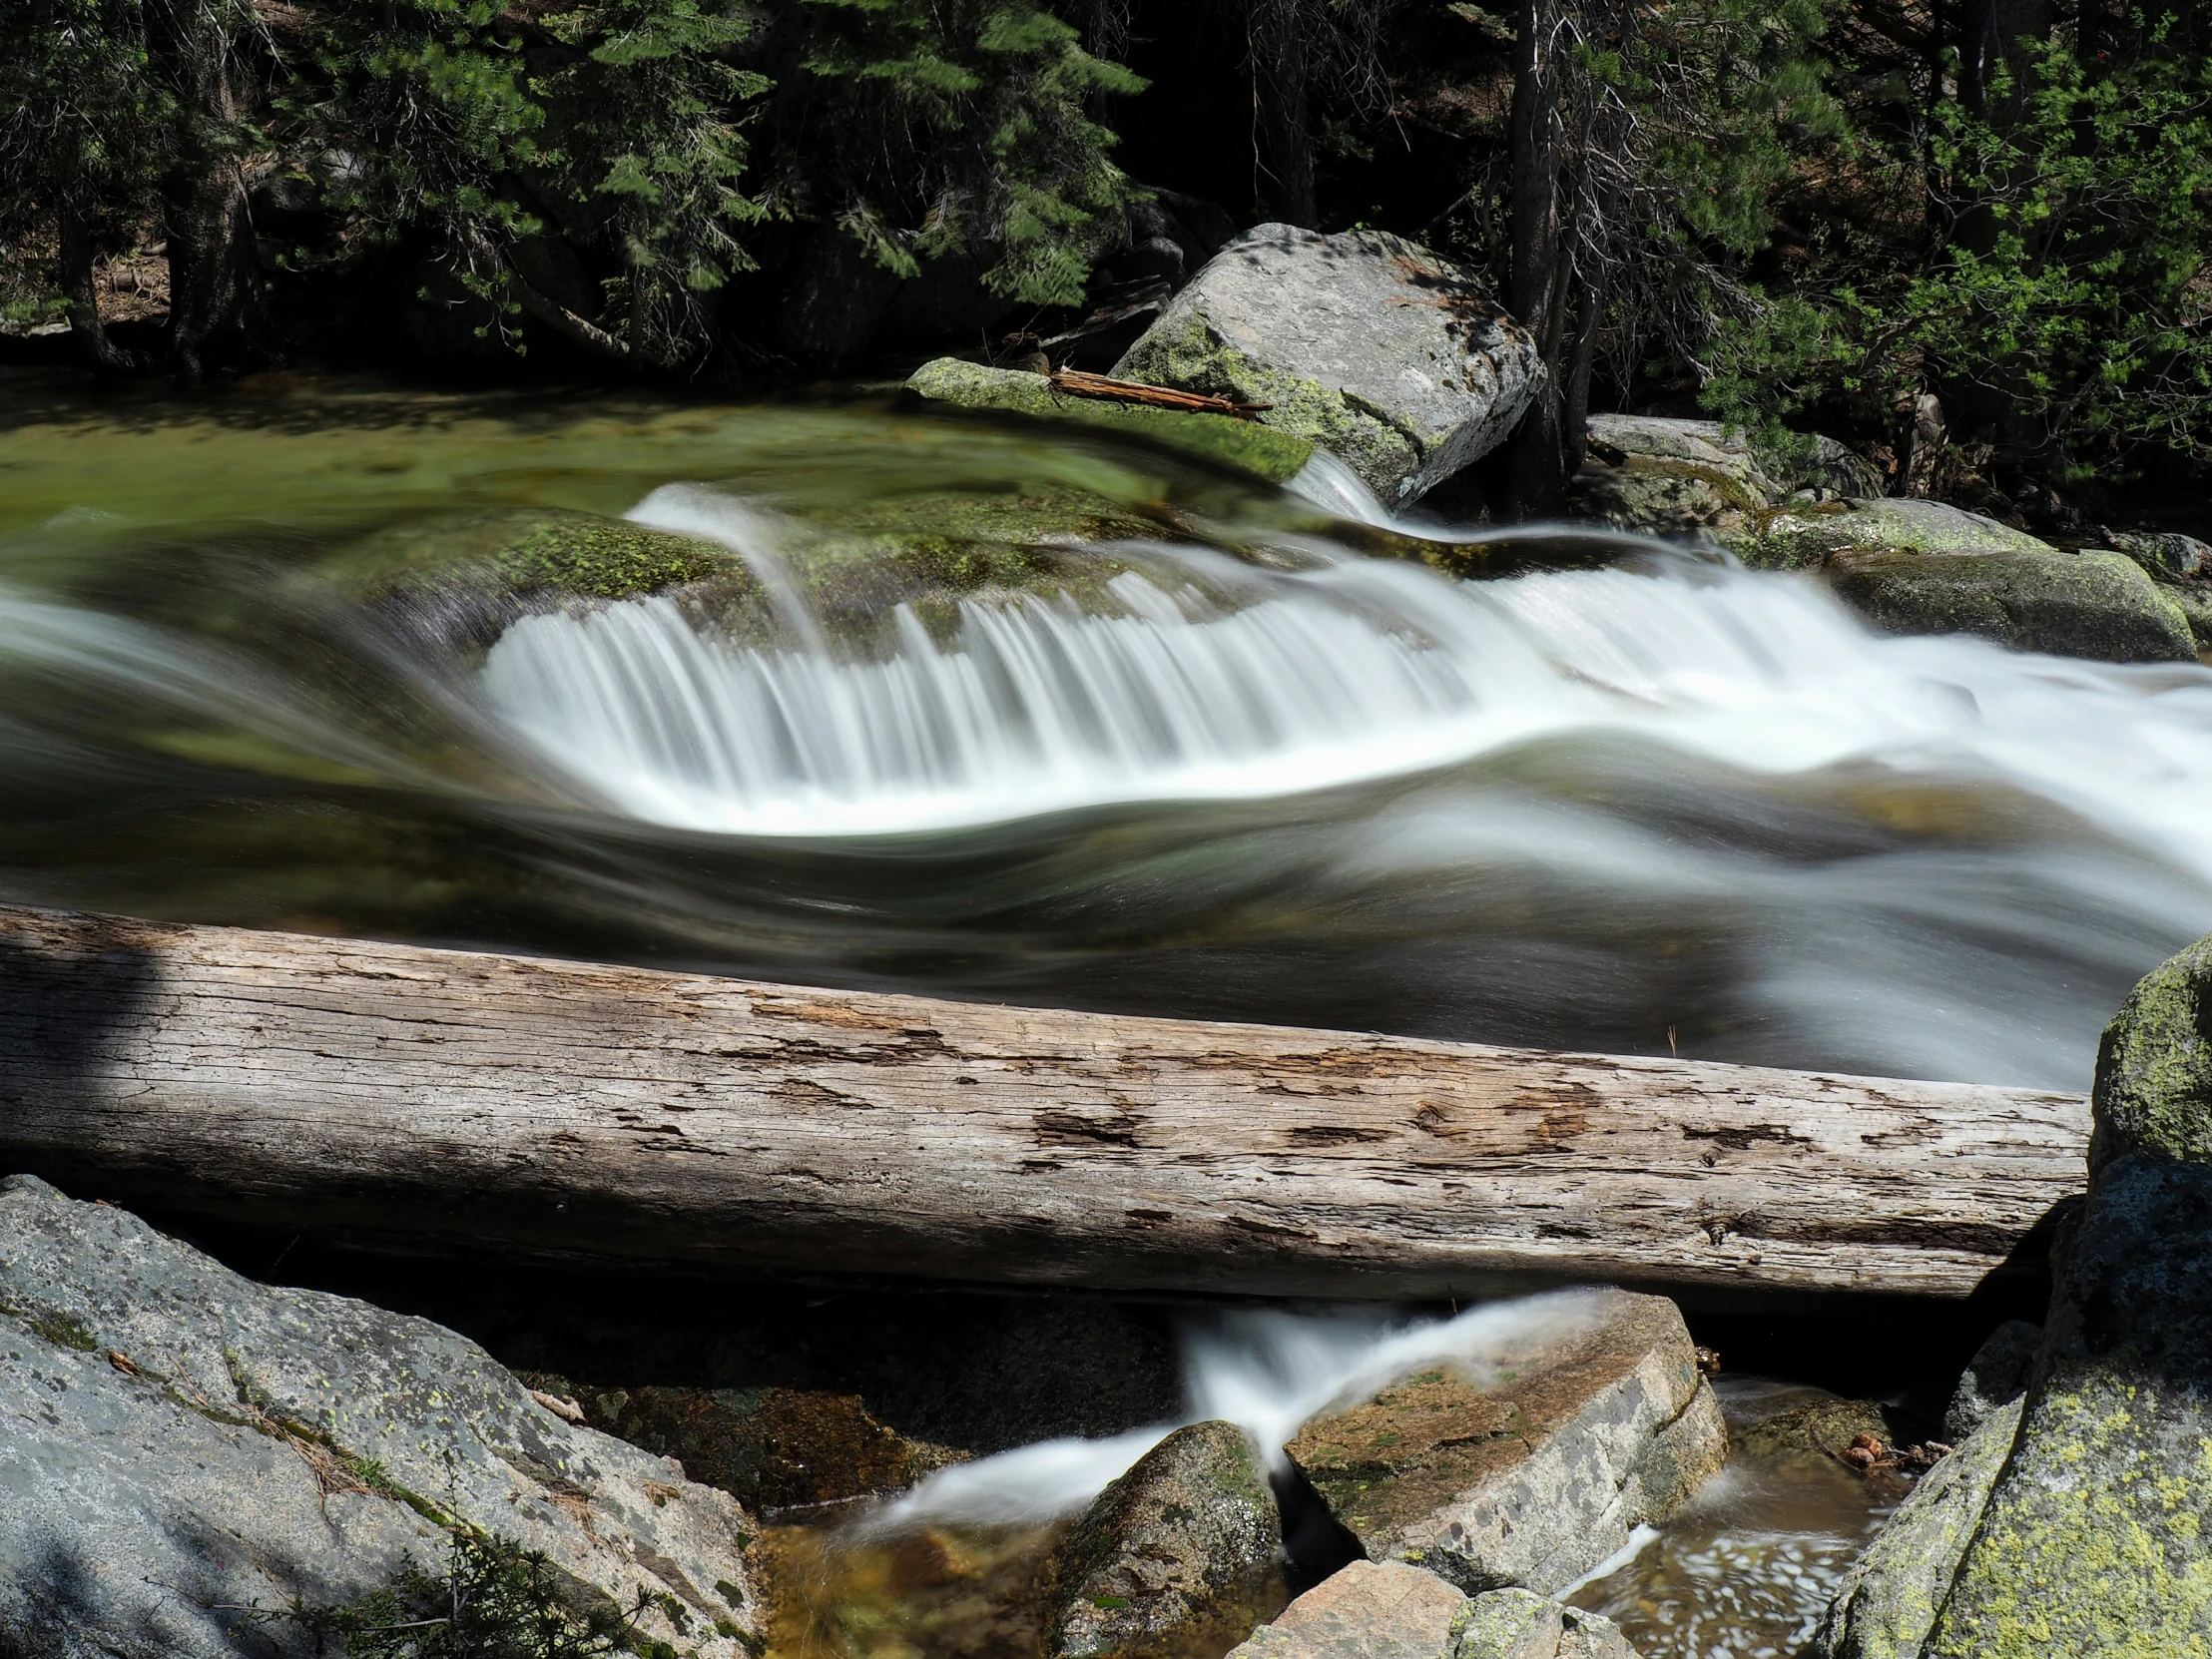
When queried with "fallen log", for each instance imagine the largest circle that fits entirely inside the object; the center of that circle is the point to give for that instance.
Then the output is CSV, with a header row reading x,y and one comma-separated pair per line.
x,y
432,1099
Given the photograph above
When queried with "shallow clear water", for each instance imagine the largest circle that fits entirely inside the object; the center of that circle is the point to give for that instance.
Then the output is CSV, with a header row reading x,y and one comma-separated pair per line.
x,y
1227,768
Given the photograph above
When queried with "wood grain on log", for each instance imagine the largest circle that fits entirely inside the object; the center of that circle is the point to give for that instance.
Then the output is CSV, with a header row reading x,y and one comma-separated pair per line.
x,y
441,1099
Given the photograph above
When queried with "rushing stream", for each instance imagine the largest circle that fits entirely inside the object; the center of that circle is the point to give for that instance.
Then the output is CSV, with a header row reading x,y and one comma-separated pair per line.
x,y
1233,768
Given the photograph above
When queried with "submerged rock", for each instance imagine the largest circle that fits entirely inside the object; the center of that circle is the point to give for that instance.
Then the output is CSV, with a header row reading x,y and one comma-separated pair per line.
x,y
1888,1598
1246,445
1825,1427
181,1447
2095,605
1995,1378
1381,352
1389,1610
1534,1474
1181,1556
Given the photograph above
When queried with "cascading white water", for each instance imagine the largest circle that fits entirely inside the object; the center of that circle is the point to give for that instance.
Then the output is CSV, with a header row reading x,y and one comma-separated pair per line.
x,y
1264,1370
1361,669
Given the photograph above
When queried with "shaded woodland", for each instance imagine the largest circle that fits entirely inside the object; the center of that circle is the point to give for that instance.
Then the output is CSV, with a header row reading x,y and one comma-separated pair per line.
x,y
1977,222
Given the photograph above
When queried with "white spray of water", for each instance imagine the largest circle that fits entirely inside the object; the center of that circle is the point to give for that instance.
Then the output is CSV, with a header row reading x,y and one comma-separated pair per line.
x,y
1331,485
1363,670
1267,1372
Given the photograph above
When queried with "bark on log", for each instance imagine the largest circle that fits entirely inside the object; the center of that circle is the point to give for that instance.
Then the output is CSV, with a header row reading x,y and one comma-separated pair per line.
x,y
441,1099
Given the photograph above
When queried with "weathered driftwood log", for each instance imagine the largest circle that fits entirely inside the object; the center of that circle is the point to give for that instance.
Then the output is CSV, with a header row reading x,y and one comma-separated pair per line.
x,y
436,1098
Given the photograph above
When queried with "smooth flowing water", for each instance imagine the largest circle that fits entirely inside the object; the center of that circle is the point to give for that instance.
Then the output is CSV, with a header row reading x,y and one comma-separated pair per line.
x,y
1223,766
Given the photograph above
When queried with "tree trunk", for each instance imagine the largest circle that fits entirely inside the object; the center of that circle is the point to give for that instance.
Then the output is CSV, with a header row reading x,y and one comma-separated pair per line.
x,y
409,1099
1283,143
214,283
82,291
1535,290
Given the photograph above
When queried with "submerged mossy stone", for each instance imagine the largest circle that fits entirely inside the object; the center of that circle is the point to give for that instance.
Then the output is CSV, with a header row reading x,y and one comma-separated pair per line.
x,y
1886,1601
1822,1428
2095,605
527,550
1181,1555
1246,445
2154,1067
1805,537
179,1445
1385,353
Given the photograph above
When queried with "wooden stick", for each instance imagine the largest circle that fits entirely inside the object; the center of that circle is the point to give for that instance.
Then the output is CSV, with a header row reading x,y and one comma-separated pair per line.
x,y
411,1099
1079,385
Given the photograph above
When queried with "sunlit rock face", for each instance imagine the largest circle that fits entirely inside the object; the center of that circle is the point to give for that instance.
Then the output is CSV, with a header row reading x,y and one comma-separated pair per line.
x,y
1377,350
1535,1469
181,1447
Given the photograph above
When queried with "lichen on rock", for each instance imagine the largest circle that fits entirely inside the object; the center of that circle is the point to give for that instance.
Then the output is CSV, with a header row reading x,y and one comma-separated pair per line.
x,y
2155,1065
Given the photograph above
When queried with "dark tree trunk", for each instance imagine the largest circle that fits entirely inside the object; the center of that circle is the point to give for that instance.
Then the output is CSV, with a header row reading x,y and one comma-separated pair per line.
x,y
79,290
1283,146
213,286
1536,286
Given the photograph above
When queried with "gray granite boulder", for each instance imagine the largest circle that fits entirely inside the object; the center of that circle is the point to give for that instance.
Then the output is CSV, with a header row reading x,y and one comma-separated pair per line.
x,y
1182,1554
2095,605
1888,1598
1389,1610
1807,536
2182,567
1386,355
180,1447
1536,1471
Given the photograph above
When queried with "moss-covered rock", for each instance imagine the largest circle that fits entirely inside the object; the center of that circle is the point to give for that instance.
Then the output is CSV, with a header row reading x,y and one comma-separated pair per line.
x,y
1822,1428
2182,567
1224,441
1181,1555
2154,1067
1377,350
1887,1603
2095,605
532,550
1805,537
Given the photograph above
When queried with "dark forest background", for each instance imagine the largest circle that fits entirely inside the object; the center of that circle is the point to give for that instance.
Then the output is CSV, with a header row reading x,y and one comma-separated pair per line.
x,y
1856,217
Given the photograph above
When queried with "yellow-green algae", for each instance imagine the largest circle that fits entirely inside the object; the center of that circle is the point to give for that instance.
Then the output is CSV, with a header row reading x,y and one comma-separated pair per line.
x,y
2154,1067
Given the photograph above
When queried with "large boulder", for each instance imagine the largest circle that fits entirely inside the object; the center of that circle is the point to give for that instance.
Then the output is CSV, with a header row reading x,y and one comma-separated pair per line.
x,y
1182,1554
2182,567
2095,605
2092,1538
1382,353
1535,1472
1388,1611
181,1447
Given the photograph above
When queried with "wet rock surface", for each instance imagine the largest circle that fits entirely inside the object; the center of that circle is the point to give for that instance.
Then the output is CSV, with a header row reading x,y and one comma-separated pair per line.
x,y
1820,1427
179,1445
1377,350
2095,605
1181,1555
1535,1473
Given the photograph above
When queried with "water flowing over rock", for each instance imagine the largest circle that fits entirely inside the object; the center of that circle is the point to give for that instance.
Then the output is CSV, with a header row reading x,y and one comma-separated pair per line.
x,y
1181,1556
1372,346
1389,1610
1535,1471
180,1447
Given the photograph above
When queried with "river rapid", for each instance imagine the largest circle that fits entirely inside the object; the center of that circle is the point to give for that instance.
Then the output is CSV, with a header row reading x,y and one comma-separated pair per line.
x,y
1250,774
